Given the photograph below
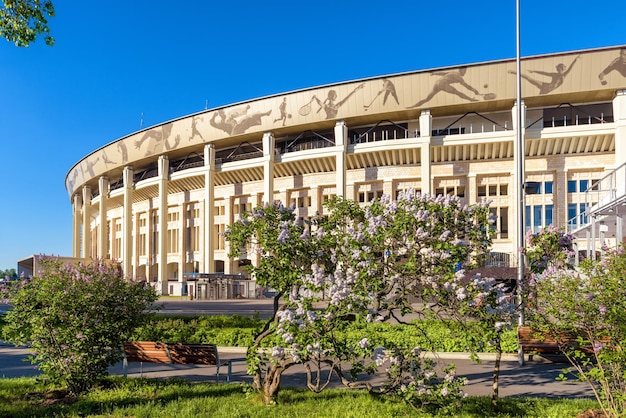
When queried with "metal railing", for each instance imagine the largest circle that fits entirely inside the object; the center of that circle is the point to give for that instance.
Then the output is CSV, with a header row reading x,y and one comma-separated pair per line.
x,y
602,195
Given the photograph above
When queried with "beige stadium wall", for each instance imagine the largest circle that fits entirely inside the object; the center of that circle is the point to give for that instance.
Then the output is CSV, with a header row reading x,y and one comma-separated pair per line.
x,y
361,100
419,98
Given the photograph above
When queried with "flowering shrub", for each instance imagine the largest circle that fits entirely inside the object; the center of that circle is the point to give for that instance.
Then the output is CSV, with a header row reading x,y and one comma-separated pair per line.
x,y
299,261
548,247
588,303
358,262
75,319
414,380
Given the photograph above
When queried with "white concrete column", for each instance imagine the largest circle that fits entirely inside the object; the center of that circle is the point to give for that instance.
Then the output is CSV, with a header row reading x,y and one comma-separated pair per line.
x,y
103,231
150,246
619,115
472,192
163,179
86,253
127,223
268,167
341,146
425,139
182,250
77,204
208,222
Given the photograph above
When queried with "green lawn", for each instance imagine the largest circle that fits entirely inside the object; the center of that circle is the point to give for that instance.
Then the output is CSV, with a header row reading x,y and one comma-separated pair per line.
x,y
121,397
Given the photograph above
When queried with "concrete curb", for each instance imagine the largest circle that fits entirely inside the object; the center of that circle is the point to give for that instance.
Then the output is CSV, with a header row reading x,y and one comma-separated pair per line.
x,y
506,357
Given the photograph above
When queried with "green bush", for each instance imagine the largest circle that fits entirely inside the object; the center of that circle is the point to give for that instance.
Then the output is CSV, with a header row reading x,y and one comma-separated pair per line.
x,y
75,319
239,331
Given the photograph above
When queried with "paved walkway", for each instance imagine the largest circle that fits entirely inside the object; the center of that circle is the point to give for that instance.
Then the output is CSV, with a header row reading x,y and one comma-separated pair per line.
x,y
535,378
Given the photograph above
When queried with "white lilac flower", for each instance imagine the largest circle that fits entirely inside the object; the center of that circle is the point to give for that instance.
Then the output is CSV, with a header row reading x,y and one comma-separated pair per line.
x,y
379,356
364,343
278,352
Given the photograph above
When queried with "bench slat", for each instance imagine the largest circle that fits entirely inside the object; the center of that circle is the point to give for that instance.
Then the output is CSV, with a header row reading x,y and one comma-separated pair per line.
x,y
176,353
146,351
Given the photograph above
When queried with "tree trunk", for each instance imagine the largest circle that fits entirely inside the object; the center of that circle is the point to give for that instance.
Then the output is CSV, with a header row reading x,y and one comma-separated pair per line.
x,y
271,385
496,374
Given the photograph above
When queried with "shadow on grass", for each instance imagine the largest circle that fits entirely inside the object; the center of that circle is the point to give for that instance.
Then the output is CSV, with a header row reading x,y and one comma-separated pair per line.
x,y
115,392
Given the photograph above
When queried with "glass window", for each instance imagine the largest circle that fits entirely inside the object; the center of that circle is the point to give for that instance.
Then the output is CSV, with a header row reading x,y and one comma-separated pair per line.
x,y
571,213
493,190
527,217
549,210
504,222
584,185
583,215
595,184
504,189
571,186
547,187
482,191
537,218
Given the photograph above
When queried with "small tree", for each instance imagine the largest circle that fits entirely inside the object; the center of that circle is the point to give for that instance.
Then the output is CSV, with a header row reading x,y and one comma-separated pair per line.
x,y
76,318
414,252
367,262
587,302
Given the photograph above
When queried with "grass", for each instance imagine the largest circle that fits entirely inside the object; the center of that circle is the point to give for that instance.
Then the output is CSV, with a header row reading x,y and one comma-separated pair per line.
x,y
132,397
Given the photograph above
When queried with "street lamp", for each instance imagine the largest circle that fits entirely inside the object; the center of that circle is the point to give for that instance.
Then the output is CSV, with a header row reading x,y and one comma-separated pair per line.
x,y
520,176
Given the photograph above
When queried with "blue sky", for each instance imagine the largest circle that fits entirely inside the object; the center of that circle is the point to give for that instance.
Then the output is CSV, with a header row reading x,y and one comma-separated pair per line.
x,y
114,61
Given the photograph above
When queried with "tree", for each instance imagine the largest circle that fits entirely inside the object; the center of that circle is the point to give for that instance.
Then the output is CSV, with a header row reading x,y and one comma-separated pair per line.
x,y
589,315
416,255
361,263
22,21
75,319
11,273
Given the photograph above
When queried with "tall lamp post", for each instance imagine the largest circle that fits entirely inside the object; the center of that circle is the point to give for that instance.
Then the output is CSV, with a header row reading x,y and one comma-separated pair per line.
x,y
520,176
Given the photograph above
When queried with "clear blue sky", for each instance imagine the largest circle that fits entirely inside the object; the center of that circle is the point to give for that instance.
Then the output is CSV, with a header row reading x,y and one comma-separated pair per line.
x,y
118,59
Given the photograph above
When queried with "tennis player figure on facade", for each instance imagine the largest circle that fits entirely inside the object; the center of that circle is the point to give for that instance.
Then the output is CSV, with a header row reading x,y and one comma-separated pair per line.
x,y
445,83
330,105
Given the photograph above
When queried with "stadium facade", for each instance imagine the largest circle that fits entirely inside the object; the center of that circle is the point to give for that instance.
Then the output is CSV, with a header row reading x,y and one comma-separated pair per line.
x,y
158,200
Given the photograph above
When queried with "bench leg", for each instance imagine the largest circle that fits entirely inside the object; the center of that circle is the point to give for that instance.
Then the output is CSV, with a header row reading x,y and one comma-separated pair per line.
x,y
230,371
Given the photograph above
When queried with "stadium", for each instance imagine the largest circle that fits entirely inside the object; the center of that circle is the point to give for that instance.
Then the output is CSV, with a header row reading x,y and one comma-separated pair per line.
x,y
158,200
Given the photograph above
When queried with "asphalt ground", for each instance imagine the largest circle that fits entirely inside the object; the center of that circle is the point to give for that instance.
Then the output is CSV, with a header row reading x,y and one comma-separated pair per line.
x,y
536,378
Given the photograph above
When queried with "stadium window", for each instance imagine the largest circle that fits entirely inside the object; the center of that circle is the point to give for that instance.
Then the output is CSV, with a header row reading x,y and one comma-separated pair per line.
x,y
539,216
571,186
583,185
547,187
501,226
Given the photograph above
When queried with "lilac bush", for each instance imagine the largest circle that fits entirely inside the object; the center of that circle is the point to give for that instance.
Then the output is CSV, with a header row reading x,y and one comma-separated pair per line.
x,y
366,263
76,317
586,303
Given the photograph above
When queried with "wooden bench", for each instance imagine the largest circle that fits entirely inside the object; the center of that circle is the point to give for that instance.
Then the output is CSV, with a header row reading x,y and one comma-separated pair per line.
x,y
533,341
176,353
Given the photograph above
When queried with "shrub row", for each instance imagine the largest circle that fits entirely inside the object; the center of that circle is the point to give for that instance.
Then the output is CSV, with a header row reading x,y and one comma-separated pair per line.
x,y
239,331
